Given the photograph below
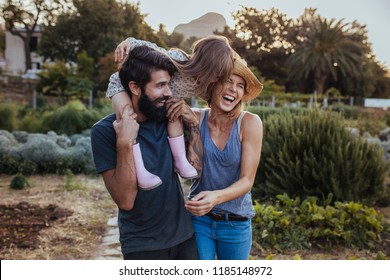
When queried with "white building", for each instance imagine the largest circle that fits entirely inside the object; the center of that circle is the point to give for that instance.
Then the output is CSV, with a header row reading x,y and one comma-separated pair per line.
x,y
15,60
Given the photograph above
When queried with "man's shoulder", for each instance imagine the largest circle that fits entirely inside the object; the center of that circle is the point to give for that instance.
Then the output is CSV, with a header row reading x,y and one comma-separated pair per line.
x,y
106,121
104,124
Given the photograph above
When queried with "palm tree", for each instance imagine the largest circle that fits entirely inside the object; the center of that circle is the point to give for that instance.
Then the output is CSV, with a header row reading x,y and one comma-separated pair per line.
x,y
324,47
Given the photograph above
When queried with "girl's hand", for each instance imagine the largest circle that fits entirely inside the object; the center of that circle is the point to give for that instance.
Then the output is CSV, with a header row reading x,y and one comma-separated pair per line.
x,y
122,50
179,108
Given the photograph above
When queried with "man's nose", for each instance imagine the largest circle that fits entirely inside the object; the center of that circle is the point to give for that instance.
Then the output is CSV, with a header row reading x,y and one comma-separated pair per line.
x,y
167,91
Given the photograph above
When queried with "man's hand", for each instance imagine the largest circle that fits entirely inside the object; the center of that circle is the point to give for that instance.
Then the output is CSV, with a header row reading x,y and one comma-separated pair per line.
x,y
126,127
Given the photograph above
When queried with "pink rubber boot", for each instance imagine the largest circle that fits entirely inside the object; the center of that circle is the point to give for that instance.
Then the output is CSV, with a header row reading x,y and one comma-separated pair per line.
x,y
181,164
145,179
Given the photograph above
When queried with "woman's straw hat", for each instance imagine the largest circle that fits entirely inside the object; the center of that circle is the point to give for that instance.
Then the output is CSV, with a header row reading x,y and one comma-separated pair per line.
x,y
252,85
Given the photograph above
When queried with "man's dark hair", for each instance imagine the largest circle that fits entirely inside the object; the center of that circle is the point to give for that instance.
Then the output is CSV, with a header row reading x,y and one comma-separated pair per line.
x,y
139,65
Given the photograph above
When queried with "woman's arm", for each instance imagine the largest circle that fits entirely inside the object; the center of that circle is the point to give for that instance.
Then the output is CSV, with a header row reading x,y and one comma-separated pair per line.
x,y
252,137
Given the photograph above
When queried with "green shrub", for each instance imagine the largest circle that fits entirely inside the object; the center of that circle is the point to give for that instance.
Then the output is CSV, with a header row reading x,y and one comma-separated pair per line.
x,y
289,223
265,112
37,153
59,166
348,112
28,167
70,183
8,116
70,119
31,122
19,182
8,165
312,154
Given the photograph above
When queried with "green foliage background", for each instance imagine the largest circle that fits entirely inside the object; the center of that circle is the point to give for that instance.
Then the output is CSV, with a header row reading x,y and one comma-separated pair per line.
x,y
313,154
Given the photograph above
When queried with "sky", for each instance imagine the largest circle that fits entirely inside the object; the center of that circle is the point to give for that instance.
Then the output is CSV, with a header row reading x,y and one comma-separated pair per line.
x,y
372,13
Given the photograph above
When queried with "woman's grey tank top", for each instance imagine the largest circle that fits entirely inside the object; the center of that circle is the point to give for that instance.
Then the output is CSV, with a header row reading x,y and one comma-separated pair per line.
x,y
221,168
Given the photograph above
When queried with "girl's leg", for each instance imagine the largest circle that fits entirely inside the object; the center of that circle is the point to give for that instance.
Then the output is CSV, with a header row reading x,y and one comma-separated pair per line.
x,y
145,179
176,142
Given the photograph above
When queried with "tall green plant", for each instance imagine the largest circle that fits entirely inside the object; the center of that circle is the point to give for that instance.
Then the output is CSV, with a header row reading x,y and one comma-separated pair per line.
x,y
70,119
8,116
313,154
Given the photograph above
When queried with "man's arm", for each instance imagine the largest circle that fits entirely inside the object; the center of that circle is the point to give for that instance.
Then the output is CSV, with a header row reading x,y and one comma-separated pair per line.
x,y
121,181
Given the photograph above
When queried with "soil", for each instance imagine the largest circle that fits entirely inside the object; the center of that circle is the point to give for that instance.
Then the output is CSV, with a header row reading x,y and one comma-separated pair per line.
x,y
21,223
58,217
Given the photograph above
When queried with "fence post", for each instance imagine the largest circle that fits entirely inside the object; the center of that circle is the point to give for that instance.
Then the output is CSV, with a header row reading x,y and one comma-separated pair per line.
x,y
310,104
90,99
325,102
34,101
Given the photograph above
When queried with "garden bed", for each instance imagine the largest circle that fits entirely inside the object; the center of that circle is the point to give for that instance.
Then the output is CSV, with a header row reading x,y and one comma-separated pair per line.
x,y
49,221
56,218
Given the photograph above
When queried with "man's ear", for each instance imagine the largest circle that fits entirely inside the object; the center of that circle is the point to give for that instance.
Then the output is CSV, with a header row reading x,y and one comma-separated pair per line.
x,y
134,88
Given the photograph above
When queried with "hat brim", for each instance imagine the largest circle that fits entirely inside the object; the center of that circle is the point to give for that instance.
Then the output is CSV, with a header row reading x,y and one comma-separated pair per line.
x,y
253,87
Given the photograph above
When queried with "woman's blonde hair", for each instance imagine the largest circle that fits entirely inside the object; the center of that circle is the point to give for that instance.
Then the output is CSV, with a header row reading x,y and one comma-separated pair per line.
x,y
211,61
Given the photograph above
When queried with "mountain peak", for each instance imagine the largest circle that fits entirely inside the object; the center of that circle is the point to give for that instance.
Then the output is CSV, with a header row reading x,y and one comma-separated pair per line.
x,y
202,26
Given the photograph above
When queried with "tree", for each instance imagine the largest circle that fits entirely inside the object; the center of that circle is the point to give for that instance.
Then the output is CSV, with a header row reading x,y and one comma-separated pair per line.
x,y
326,47
265,39
2,40
66,81
23,17
95,26
173,40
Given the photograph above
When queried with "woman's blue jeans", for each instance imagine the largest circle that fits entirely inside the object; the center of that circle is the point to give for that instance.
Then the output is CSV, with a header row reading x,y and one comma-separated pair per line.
x,y
224,240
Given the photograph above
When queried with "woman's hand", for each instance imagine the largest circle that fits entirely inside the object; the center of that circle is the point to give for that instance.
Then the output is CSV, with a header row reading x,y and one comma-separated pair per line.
x,y
179,108
122,50
202,203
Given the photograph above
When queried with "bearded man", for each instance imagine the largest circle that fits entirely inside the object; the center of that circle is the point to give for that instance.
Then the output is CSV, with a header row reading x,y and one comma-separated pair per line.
x,y
153,224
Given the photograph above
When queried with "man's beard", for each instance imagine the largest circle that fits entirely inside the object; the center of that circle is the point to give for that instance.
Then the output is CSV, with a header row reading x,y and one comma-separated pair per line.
x,y
150,110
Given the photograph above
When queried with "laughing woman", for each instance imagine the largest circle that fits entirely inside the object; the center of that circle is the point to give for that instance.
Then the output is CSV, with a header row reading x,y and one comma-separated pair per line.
x,y
220,200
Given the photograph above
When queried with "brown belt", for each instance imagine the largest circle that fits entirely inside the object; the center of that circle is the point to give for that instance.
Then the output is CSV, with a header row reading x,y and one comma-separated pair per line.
x,y
222,217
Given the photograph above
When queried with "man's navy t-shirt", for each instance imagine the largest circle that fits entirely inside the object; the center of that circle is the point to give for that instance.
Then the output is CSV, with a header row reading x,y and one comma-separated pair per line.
x,y
158,219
